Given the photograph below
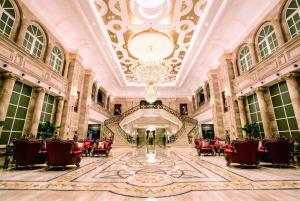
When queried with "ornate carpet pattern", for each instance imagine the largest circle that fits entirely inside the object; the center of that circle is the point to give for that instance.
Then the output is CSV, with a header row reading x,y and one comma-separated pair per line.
x,y
152,173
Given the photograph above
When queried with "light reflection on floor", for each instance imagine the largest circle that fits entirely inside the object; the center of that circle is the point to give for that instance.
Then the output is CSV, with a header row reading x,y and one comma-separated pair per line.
x,y
150,173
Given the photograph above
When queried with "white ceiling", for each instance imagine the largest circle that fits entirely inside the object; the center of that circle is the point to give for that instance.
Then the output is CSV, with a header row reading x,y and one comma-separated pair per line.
x,y
223,26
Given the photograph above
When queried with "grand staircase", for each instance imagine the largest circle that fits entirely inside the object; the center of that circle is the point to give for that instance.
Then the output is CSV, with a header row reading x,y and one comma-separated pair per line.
x,y
113,129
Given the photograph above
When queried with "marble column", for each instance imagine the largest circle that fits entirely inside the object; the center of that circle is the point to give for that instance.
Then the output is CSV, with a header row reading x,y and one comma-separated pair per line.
x,y
84,112
252,53
66,69
235,67
59,109
5,94
294,92
37,110
278,32
242,112
260,92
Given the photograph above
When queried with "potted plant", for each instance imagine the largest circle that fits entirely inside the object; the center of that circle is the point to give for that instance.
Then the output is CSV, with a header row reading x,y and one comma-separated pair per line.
x,y
251,130
46,130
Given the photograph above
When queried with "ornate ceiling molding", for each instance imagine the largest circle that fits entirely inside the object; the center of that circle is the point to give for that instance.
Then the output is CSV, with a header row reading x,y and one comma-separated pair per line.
x,y
123,19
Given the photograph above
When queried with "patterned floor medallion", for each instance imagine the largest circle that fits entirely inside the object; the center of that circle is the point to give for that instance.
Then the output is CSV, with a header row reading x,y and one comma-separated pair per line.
x,y
152,172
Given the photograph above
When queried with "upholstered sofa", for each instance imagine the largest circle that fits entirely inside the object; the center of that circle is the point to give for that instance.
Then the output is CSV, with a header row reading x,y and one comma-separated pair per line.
x,y
102,148
27,152
204,146
275,151
242,152
62,153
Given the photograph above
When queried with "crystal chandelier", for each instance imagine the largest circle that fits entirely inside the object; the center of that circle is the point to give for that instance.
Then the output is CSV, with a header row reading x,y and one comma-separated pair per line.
x,y
150,48
151,71
151,93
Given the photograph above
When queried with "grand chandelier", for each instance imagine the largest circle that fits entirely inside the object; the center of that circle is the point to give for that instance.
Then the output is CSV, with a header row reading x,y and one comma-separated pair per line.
x,y
151,70
151,47
151,93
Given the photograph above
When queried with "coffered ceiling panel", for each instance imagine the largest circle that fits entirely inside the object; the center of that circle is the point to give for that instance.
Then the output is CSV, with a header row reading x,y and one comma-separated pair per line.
x,y
123,19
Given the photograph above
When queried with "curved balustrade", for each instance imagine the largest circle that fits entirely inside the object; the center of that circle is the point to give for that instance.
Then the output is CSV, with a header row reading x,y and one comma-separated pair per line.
x,y
117,119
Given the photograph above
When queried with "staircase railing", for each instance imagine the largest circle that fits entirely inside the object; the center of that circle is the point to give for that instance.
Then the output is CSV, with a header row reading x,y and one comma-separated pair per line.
x,y
117,119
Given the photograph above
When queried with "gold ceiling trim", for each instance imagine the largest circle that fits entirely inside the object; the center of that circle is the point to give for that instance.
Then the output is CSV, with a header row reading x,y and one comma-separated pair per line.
x,y
180,25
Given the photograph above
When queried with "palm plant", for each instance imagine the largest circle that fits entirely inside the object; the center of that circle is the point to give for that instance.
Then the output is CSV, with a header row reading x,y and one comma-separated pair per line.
x,y
47,130
251,130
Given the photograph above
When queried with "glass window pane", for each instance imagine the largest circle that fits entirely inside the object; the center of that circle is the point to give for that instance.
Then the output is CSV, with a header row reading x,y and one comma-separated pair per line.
x,y
282,125
279,112
26,90
24,101
274,90
252,108
8,124
254,118
286,98
283,87
14,99
17,87
49,109
276,100
4,137
293,123
289,110
18,125
47,117
21,113
11,111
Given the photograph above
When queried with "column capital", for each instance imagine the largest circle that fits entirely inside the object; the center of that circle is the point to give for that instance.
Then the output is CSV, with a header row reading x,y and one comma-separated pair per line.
x,y
226,56
289,76
241,97
261,89
40,89
59,98
11,76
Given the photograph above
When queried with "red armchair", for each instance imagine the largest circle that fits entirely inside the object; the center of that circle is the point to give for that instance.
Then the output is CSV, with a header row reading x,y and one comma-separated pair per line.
x,y
204,146
242,152
276,151
62,153
27,151
85,146
102,150
219,146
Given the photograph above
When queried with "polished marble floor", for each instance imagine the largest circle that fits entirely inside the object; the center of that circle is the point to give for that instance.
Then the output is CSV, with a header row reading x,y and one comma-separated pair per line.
x,y
152,173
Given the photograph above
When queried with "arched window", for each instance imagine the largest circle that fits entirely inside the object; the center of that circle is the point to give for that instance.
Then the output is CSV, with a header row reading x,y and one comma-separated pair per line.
x,y
34,41
56,59
293,17
245,60
267,41
7,17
